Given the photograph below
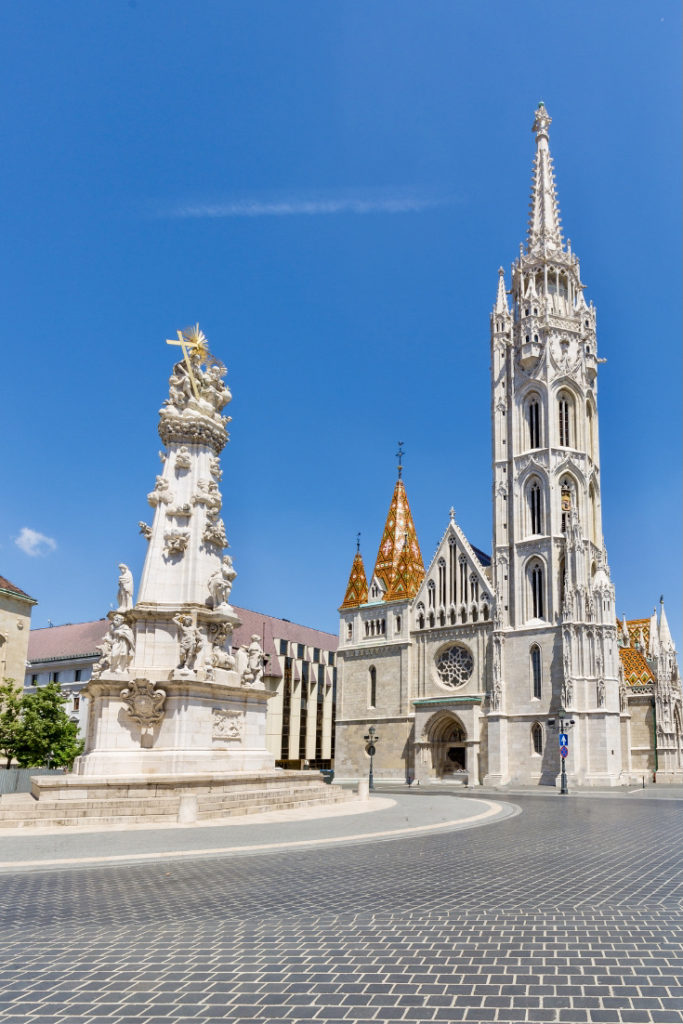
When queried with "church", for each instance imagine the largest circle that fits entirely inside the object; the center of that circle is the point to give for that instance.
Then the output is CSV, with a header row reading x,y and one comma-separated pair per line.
x,y
459,667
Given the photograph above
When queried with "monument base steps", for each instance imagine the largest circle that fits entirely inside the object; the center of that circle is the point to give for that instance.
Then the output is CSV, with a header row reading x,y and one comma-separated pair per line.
x,y
92,801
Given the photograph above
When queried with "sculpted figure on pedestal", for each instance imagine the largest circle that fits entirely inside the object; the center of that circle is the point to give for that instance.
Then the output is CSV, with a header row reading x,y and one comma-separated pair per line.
x,y
601,693
122,644
255,658
125,595
220,583
189,641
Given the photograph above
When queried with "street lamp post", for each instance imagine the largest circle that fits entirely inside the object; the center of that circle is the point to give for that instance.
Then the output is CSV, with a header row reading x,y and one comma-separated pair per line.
x,y
562,725
371,739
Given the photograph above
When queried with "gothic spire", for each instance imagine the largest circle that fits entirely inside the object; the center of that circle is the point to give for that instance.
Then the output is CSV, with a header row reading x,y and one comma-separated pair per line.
x,y
545,233
501,305
357,587
399,560
665,640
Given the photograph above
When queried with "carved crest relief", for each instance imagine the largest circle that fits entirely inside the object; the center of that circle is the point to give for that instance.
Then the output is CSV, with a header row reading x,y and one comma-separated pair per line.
x,y
227,724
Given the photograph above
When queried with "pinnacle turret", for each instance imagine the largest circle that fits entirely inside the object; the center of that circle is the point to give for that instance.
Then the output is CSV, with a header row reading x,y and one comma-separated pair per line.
x,y
544,233
665,639
399,548
501,305
357,587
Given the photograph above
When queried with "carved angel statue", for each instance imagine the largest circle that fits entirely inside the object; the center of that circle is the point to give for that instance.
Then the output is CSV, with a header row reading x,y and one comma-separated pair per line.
x,y
183,459
220,583
190,641
125,595
122,644
104,663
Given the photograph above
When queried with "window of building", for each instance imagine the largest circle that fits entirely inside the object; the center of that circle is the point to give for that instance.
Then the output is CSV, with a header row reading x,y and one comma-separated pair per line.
x,y
431,591
565,409
535,507
537,738
398,624
54,677
34,680
536,671
77,703
533,420
373,687
349,630
316,655
566,503
283,646
330,658
304,673
299,650
442,581
536,590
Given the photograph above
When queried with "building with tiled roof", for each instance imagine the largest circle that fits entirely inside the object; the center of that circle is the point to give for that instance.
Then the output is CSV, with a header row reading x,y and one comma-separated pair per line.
x,y
301,671
461,668
15,625
650,697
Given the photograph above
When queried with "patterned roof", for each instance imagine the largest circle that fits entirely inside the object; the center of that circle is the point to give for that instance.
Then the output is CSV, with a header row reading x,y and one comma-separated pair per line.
x,y
357,587
634,627
399,557
636,669
12,589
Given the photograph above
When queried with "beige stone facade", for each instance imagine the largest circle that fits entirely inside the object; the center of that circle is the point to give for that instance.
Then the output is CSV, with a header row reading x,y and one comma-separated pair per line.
x,y
15,628
468,675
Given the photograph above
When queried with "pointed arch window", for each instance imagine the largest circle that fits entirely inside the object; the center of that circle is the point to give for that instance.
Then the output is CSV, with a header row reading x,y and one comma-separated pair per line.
x,y
442,581
536,678
567,502
537,738
532,417
534,507
565,411
536,589
593,514
591,430
431,591
373,687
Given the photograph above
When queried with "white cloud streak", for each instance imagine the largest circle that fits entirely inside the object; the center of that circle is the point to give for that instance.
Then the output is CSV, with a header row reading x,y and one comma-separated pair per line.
x,y
298,207
33,543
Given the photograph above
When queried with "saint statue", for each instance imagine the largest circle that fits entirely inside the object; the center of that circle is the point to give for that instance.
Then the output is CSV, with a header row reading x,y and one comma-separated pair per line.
x,y
189,640
122,644
220,582
125,597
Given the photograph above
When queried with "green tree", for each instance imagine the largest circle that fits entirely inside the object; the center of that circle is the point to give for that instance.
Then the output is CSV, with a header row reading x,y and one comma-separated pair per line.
x,y
47,736
10,719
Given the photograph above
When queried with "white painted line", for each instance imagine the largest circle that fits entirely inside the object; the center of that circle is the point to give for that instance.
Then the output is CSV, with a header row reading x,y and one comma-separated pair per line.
x,y
492,810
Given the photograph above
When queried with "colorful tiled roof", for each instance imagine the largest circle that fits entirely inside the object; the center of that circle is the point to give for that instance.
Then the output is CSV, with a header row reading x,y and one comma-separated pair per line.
x,y
10,588
357,587
399,544
634,627
636,670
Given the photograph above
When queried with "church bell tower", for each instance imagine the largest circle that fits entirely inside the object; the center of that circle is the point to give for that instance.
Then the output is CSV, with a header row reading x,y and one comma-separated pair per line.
x,y
555,632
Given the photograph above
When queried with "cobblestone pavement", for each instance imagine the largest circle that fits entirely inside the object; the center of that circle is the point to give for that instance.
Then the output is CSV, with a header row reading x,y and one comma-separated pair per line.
x,y
569,912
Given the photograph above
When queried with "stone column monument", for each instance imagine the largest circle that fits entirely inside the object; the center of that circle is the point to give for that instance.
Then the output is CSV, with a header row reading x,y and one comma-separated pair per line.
x,y
168,696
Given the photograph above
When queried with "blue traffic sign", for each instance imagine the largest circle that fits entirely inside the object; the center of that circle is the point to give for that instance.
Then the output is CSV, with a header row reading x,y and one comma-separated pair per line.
x,y
564,739
564,751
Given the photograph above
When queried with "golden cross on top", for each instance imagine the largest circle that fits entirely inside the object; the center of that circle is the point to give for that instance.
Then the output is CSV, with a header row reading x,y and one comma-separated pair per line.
x,y
193,341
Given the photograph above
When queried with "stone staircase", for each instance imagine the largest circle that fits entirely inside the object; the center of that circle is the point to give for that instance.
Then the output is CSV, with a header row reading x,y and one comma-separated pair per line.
x,y
99,802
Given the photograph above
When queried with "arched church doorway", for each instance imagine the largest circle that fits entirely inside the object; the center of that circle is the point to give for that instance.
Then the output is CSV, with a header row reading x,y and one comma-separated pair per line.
x,y
447,743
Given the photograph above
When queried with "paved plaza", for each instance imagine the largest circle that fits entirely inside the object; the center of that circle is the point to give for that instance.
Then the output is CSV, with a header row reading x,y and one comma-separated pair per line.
x,y
569,911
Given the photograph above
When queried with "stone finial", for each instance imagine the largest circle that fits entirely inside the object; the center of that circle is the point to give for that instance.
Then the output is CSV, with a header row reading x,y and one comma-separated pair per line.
x,y
542,121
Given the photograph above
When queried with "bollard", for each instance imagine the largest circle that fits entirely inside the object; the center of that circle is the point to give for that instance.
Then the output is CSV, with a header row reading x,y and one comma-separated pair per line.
x,y
363,789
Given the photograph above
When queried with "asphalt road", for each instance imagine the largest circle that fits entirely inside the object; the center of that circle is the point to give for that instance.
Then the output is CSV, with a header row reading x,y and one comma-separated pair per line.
x,y
570,912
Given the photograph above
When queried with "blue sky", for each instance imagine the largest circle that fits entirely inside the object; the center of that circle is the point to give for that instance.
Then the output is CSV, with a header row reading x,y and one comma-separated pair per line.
x,y
329,189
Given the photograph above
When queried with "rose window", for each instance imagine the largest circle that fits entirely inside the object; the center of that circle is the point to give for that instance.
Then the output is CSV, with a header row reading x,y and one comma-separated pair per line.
x,y
455,666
